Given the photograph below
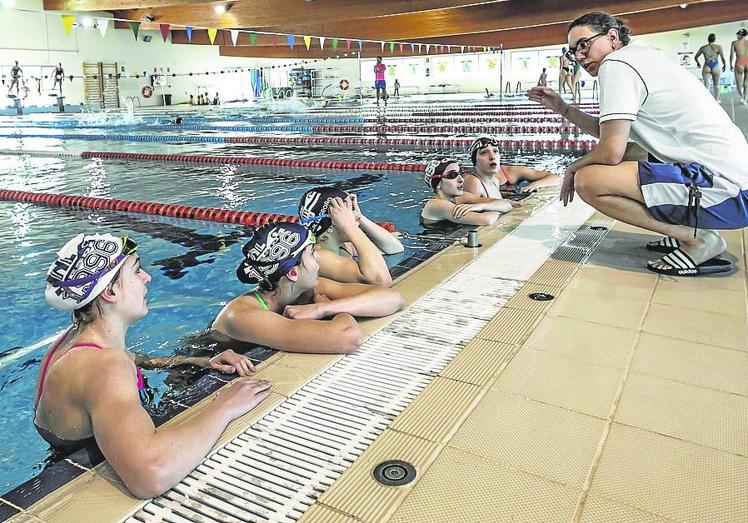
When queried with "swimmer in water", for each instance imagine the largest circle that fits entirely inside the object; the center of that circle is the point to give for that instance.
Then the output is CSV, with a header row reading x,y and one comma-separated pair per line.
x,y
491,177
451,203
712,53
292,308
342,232
90,385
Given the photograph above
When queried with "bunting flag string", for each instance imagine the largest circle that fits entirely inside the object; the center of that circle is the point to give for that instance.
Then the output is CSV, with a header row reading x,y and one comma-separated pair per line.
x,y
135,26
102,24
212,32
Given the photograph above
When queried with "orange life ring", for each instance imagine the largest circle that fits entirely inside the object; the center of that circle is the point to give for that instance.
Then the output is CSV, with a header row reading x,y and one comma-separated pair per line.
x,y
344,84
146,91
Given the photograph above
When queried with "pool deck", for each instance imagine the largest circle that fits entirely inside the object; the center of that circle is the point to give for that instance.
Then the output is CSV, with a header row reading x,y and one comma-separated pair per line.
x,y
624,398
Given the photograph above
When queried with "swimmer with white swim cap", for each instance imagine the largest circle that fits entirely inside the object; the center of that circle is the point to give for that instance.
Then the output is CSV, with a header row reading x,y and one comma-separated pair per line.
x,y
90,385
293,309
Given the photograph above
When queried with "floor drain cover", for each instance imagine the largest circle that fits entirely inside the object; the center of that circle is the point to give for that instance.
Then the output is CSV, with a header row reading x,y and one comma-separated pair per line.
x,y
598,228
394,473
541,296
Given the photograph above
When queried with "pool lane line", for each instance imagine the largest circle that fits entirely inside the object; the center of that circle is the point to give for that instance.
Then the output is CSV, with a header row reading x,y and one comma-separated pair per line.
x,y
210,214
556,145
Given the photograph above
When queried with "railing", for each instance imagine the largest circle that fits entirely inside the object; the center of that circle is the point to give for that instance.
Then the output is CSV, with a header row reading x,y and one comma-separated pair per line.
x,y
132,100
518,88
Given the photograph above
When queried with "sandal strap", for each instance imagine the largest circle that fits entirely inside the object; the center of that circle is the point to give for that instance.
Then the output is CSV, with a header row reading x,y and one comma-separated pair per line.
x,y
668,241
679,259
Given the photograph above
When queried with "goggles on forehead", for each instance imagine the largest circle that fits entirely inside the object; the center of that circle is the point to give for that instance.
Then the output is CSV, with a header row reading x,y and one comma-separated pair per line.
x,y
128,247
482,142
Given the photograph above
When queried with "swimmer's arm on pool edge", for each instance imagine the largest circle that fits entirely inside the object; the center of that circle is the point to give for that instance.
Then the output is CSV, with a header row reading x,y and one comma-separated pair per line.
x,y
357,299
149,460
339,335
538,179
443,210
227,361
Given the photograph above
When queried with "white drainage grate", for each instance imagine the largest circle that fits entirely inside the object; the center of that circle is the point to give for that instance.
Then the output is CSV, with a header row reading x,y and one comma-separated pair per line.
x,y
279,466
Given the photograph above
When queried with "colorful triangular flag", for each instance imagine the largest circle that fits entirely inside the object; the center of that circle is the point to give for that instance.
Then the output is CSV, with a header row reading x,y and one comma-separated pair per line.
x,y
413,48
252,38
67,23
212,32
188,30
307,42
321,42
291,39
164,28
234,36
334,43
347,44
135,26
428,46
360,45
462,48
103,25
382,45
401,47
392,47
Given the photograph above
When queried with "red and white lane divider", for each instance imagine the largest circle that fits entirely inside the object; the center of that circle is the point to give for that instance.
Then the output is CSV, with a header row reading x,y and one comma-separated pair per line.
x,y
210,214
446,129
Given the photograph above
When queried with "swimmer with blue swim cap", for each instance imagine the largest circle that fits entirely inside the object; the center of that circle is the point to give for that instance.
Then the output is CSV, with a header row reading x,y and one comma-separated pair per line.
x,y
451,203
292,308
343,231
491,177
91,388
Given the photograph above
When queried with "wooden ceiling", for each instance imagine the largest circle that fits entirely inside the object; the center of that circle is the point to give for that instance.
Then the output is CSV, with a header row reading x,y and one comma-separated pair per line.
x,y
513,23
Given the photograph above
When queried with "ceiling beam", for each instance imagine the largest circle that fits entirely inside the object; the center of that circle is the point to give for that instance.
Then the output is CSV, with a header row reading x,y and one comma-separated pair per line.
x,y
670,19
271,13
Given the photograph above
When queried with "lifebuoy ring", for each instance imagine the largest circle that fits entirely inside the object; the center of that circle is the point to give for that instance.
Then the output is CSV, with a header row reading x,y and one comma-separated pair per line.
x,y
344,84
146,91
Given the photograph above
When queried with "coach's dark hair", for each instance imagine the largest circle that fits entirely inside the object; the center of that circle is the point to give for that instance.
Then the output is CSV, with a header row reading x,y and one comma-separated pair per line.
x,y
601,22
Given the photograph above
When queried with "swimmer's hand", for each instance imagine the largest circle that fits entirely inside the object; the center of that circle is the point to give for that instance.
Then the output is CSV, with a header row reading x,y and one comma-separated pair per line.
x,y
530,187
353,201
547,97
342,215
229,362
515,204
241,396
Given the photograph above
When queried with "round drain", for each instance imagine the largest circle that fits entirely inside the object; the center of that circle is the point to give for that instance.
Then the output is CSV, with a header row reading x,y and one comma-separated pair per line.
x,y
598,228
541,296
394,473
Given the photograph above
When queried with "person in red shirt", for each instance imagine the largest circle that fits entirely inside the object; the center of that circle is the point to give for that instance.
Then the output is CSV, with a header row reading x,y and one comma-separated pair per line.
x,y
379,83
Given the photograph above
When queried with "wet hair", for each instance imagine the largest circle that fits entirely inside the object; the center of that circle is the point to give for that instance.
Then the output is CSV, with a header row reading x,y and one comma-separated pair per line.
x,y
711,38
379,57
602,22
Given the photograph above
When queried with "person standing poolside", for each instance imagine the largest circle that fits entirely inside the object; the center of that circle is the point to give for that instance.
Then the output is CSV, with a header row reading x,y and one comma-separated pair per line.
x,y
491,177
739,51
565,70
451,203
543,78
59,76
342,232
90,386
396,92
712,53
379,83
293,309
648,98
576,75
15,78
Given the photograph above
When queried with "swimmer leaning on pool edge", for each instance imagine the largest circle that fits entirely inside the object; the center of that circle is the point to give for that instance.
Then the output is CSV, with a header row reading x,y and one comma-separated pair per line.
x,y
89,383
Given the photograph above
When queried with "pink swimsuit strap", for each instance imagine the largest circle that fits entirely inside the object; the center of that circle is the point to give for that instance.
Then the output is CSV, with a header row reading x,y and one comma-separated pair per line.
x,y
45,367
